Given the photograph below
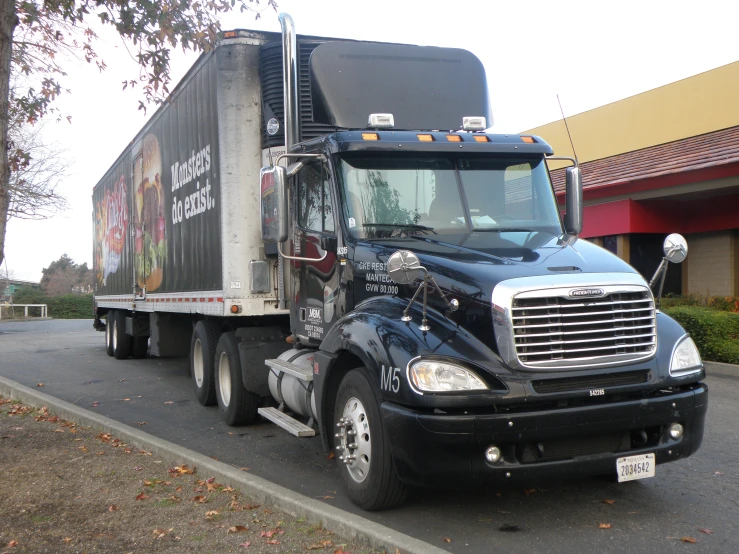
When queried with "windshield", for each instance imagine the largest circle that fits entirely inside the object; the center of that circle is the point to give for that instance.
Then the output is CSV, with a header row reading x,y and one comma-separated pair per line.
x,y
422,195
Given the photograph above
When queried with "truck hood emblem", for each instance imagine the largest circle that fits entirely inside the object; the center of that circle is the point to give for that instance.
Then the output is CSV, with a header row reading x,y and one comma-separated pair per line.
x,y
580,293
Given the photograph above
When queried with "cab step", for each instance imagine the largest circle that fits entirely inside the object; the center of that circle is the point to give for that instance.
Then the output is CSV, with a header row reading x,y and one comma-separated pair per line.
x,y
289,424
291,369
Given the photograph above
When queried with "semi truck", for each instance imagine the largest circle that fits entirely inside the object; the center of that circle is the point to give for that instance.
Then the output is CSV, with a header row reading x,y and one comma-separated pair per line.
x,y
329,232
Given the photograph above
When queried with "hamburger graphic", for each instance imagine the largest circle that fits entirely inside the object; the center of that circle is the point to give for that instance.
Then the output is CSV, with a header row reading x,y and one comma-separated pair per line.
x,y
150,231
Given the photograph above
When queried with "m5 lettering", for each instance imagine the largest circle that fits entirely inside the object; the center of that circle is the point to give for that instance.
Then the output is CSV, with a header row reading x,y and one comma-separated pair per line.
x,y
390,380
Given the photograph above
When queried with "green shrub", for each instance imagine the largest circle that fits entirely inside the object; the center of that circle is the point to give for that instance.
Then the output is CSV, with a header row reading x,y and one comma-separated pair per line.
x,y
29,296
723,303
715,332
70,306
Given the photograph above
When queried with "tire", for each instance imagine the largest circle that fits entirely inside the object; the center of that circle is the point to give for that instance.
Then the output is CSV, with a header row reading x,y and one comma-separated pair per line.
x,y
371,479
109,333
237,405
139,347
121,341
202,356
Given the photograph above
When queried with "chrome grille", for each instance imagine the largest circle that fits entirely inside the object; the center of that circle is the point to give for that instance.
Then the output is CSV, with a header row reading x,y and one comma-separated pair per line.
x,y
551,331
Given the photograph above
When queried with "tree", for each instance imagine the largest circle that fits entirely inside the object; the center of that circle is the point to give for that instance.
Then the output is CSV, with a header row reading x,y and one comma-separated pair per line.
x,y
64,276
36,36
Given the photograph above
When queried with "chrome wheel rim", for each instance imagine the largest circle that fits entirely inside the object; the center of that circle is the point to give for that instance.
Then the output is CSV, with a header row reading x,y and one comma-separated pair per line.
x,y
107,335
354,440
224,379
115,335
197,363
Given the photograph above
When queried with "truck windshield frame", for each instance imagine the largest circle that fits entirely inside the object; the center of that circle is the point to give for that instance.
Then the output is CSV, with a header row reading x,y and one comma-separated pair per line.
x,y
392,196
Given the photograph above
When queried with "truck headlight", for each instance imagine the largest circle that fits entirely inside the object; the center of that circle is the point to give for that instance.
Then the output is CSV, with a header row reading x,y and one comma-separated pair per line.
x,y
685,358
435,376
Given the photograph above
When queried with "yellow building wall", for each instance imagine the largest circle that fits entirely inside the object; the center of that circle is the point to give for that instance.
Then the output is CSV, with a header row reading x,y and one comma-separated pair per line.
x,y
700,104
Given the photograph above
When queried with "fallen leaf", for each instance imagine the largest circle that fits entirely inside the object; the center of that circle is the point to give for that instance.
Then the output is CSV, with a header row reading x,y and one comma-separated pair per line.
x,y
251,506
604,526
83,448
271,533
211,514
529,492
113,508
447,539
67,539
718,472
142,496
237,529
169,402
330,456
39,384
227,489
95,404
126,399
273,541
609,501
327,497
244,468
140,423
162,532
319,545
246,544
691,540
706,531
12,544
199,499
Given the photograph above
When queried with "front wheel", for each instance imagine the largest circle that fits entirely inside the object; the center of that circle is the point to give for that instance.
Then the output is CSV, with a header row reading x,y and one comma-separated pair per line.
x,y
237,405
362,447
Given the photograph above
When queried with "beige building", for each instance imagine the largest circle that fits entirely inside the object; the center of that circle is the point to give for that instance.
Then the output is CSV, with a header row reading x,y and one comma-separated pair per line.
x,y
663,161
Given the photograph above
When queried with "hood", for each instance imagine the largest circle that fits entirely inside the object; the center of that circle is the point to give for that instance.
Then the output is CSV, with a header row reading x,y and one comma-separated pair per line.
x,y
473,264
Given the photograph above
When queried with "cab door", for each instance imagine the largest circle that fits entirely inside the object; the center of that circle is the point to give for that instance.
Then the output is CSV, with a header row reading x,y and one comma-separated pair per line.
x,y
315,284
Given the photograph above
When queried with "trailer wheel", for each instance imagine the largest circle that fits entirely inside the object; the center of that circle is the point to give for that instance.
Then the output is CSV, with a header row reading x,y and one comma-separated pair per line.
x,y
121,341
139,347
202,356
237,405
362,447
109,333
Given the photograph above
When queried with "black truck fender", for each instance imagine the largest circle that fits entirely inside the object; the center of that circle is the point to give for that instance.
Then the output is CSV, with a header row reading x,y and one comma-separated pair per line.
x,y
374,337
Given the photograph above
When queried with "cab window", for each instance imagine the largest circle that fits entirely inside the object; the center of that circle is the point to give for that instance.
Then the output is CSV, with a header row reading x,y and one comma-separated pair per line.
x,y
315,210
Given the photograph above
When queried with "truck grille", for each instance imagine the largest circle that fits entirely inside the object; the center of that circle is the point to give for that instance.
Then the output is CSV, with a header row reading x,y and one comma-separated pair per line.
x,y
552,331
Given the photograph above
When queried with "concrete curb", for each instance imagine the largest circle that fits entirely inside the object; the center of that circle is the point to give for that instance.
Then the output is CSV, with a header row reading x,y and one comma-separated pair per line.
x,y
343,523
721,369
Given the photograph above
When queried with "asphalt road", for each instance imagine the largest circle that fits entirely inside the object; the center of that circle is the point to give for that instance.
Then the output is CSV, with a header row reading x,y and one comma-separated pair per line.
x,y
701,492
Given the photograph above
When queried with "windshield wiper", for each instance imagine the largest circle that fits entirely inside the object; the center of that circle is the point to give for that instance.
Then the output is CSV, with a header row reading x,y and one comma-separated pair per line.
x,y
504,229
412,226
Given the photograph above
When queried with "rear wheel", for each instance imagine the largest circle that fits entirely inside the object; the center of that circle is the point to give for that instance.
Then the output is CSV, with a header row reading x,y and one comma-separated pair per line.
x,y
362,447
202,356
236,404
109,333
121,341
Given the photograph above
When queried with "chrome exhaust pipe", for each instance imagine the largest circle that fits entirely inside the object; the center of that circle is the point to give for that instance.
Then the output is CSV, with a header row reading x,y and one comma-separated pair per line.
x,y
290,81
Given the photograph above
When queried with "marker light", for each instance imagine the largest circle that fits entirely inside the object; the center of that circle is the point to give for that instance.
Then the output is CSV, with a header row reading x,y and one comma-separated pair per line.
x,y
426,138
676,431
454,138
492,454
370,136
474,123
481,138
529,140
229,34
381,120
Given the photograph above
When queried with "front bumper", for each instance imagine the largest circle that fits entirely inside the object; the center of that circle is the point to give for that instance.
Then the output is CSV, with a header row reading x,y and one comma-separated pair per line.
x,y
446,449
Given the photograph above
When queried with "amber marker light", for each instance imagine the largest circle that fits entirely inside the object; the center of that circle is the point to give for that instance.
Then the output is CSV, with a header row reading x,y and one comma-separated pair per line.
x,y
229,34
481,138
454,138
426,138
529,140
235,309
370,136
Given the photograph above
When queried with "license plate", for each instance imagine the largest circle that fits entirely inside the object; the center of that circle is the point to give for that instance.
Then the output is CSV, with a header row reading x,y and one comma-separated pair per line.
x,y
630,468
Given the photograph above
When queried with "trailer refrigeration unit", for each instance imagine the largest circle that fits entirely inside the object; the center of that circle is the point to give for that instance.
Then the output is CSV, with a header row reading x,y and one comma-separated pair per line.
x,y
327,230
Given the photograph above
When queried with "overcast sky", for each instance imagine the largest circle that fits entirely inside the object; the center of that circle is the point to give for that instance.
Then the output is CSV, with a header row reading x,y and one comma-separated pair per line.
x,y
591,53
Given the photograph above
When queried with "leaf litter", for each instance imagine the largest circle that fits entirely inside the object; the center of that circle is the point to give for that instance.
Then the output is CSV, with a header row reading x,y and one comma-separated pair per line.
x,y
120,504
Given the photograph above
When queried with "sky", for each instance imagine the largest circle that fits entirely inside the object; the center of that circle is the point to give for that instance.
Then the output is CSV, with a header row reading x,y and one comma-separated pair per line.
x,y
588,52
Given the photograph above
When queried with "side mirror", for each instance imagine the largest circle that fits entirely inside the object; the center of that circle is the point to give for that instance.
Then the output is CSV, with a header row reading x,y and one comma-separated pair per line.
x,y
273,186
573,201
404,267
675,248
